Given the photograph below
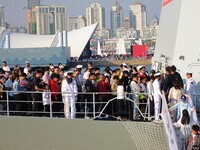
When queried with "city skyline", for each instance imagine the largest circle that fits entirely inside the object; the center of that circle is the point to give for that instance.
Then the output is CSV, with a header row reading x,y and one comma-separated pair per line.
x,y
74,9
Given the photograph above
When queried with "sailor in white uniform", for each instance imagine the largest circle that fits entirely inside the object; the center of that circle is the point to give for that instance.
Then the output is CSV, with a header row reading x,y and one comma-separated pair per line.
x,y
69,88
190,84
157,95
80,76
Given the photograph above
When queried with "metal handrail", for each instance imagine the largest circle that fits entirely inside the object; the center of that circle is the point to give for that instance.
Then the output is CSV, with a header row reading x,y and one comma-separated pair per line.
x,y
93,102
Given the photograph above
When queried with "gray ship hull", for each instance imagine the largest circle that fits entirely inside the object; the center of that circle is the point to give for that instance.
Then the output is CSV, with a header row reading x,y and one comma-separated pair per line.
x,y
25,133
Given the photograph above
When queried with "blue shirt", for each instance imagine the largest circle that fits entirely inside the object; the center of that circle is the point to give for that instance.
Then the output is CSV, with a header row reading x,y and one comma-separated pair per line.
x,y
9,84
16,87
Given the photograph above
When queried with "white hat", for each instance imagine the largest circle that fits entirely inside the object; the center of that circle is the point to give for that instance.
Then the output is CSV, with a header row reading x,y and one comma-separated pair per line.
x,y
189,72
140,67
79,66
157,74
67,73
124,64
27,62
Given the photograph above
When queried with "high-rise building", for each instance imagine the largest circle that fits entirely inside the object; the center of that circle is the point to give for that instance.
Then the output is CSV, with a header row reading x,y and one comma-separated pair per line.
x,y
42,20
116,18
31,14
139,12
155,21
50,19
59,20
76,22
31,4
2,16
96,13
127,23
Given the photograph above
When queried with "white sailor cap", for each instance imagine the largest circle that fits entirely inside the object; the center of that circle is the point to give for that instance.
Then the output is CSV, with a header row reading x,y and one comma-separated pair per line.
x,y
189,72
140,67
67,73
124,64
157,74
79,66
27,62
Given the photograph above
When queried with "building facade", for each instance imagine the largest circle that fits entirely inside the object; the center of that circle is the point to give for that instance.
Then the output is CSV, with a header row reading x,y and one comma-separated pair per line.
x,y
116,18
138,16
50,19
31,15
96,14
2,16
75,23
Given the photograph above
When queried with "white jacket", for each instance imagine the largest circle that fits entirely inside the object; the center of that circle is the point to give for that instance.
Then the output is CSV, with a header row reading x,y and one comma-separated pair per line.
x,y
69,89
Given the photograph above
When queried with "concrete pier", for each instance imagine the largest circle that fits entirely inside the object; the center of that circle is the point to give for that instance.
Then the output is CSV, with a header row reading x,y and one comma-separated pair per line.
x,y
103,63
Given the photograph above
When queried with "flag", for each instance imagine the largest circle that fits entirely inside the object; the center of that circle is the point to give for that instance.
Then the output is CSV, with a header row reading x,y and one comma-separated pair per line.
x,y
165,2
168,125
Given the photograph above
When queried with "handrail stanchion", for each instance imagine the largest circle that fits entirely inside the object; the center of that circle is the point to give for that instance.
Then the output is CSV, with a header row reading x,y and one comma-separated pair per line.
x,y
94,105
51,113
149,107
7,103
85,107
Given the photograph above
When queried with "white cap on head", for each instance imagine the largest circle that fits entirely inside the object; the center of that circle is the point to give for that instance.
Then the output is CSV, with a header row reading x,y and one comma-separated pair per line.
x,y
189,72
140,67
65,74
27,62
124,64
79,66
157,74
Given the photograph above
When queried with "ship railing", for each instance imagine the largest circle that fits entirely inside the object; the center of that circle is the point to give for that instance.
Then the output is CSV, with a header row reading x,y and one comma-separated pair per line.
x,y
196,101
25,106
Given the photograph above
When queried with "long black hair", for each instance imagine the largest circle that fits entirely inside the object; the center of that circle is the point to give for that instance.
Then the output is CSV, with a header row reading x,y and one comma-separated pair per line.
x,y
185,118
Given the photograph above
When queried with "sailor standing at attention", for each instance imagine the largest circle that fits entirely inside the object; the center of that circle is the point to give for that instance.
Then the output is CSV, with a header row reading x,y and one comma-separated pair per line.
x,y
157,95
190,84
69,89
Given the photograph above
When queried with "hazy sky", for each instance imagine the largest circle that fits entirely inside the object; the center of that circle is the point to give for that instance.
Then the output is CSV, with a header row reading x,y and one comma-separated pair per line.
x,y
16,15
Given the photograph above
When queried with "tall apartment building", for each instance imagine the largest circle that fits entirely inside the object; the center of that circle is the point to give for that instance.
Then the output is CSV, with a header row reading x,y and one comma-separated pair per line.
x,y
116,18
76,22
2,16
50,19
138,16
96,13
31,14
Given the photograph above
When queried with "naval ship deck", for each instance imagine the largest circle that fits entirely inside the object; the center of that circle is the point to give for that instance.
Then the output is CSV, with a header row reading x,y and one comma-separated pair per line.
x,y
26,133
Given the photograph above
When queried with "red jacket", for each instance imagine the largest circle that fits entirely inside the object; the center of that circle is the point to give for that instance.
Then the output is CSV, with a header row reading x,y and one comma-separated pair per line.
x,y
53,88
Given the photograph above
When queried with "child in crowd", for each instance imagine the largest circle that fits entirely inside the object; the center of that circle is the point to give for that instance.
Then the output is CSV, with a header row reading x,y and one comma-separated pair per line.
x,y
46,95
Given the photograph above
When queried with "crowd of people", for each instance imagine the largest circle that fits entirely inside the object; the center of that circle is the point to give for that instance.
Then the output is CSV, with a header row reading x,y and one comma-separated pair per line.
x,y
71,92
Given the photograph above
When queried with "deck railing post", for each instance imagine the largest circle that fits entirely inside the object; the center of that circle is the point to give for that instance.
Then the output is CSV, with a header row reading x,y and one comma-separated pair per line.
x,y
7,95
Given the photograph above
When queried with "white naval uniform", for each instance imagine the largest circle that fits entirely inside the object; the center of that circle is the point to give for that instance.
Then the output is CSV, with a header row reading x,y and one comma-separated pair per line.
x,y
69,98
190,86
157,98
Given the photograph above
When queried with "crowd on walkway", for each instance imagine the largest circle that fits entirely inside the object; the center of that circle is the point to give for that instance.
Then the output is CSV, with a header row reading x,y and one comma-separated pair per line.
x,y
76,87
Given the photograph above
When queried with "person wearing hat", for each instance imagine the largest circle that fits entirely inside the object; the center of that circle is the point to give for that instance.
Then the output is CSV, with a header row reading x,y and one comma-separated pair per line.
x,y
69,90
27,67
157,95
190,84
142,71
80,76
181,105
